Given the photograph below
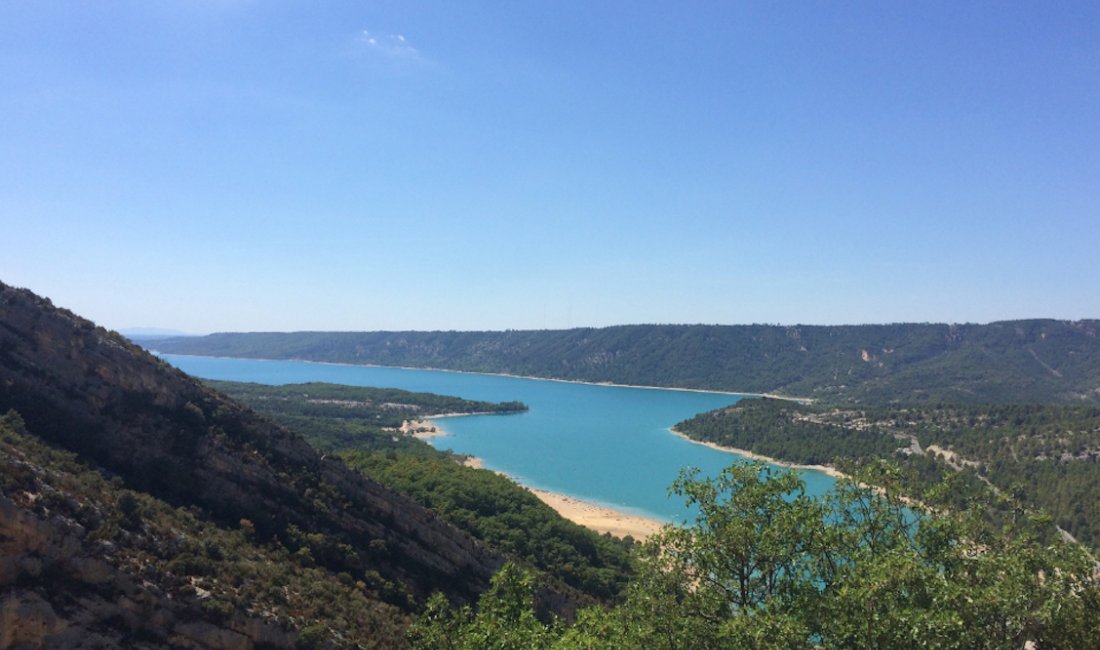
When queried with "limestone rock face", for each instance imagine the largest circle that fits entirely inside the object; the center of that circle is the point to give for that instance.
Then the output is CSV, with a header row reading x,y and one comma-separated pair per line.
x,y
56,594
27,619
89,391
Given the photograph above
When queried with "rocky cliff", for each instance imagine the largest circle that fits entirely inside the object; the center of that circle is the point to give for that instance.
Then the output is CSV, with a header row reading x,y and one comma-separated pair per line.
x,y
159,432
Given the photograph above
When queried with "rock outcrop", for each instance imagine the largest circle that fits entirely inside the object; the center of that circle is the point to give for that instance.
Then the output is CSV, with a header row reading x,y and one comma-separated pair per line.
x,y
58,592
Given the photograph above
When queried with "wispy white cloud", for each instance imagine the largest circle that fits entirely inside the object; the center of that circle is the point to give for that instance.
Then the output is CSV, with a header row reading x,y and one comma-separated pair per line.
x,y
392,46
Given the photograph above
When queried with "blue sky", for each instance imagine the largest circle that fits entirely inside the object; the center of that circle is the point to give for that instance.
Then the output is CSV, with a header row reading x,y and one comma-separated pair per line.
x,y
243,165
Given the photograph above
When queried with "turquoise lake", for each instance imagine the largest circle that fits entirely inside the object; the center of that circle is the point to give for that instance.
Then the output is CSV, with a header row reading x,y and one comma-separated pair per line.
x,y
606,444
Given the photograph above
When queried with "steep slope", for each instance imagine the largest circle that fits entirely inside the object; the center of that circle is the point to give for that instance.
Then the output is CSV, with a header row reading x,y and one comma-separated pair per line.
x,y
87,390
1017,361
85,562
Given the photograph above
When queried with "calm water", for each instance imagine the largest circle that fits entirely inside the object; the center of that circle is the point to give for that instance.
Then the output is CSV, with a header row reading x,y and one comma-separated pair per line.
x,y
606,444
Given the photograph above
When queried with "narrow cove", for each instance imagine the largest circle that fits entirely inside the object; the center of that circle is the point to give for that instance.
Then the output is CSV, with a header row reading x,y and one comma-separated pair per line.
x,y
609,445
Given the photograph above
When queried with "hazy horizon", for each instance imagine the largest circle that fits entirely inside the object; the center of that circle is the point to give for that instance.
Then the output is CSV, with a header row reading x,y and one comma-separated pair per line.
x,y
241,166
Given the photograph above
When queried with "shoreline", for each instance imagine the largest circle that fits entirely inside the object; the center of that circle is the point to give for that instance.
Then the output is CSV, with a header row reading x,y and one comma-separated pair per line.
x,y
423,427
828,470
599,518
608,384
594,516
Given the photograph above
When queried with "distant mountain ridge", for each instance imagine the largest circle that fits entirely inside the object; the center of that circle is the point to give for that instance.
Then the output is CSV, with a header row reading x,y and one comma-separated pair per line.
x,y
1039,360
151,333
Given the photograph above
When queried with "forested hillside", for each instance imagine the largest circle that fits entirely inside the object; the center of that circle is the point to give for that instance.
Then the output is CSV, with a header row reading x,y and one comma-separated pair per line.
x,y
1005,362
1046,457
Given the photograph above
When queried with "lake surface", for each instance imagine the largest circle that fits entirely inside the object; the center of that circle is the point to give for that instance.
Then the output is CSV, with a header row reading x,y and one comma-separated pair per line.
x,y
607,444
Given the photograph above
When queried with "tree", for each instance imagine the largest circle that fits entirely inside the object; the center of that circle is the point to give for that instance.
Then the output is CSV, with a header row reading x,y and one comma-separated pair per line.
x,y
765,566
505,618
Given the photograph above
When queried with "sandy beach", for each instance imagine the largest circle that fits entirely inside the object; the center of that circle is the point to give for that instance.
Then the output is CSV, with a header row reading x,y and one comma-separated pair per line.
x,y
590,515
599,518
824,469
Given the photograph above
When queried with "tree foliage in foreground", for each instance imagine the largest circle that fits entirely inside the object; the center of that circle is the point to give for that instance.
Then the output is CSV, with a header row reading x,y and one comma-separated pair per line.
x,y
767,566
